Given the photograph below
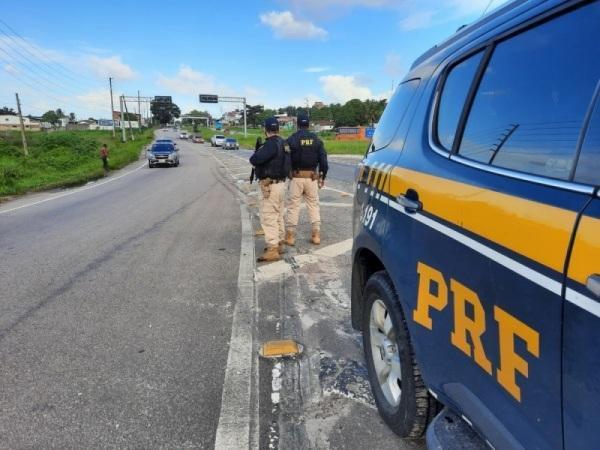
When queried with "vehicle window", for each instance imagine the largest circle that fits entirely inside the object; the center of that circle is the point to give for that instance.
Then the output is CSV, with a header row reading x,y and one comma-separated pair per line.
x,y
454,94
588,166
394,114
534,95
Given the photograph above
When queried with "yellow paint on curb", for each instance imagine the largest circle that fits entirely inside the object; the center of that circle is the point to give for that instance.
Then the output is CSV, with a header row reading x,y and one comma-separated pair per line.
x,y
279,349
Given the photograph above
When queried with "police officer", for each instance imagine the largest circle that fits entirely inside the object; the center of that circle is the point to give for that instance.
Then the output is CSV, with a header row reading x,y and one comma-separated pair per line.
x,y
309,169
272,168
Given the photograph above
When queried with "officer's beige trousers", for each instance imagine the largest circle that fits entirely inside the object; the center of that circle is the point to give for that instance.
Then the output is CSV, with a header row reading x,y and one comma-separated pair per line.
x,y
309,190
271,212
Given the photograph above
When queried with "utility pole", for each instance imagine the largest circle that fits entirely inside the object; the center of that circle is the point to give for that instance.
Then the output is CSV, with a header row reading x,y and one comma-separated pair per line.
x,y
112,108
123,137
139,112
245,125
127,113
22,126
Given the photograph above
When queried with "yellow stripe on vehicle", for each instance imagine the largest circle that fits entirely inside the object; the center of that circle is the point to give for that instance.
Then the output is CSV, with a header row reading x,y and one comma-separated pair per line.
x,y
535,230
585,258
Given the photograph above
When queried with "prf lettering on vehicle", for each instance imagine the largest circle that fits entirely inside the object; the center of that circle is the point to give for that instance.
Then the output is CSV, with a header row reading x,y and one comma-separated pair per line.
x,y
434,292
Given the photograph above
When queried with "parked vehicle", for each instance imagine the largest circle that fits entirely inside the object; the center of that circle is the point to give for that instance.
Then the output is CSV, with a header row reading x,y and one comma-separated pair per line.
x,y
198,140
183,135
217,140
231,144
163,153
476,236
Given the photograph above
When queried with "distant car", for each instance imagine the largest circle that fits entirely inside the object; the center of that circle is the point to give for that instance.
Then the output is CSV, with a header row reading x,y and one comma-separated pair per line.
x,y
231,144
183,135
198,140
217,140
162,153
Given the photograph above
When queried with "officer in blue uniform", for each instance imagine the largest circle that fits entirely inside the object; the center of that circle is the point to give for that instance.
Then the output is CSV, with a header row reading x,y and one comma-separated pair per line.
x,y
309,169
272,168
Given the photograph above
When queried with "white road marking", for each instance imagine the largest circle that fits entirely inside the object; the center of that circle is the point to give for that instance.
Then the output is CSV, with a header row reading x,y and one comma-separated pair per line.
x,y
75,191
349,194
276,269
233,431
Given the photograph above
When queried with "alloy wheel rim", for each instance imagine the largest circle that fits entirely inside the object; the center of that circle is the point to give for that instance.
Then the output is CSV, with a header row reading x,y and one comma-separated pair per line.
x,y
384,353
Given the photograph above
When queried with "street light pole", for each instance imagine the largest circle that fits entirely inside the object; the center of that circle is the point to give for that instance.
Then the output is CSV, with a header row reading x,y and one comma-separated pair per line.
x,y
22,126
245,124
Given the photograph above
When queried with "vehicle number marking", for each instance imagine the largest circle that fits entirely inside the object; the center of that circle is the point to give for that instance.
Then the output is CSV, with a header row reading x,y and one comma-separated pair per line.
x,y
368,216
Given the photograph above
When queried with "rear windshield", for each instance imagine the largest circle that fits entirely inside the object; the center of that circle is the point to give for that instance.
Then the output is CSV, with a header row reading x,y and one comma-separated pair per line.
x,y
162,148
230,140
220,137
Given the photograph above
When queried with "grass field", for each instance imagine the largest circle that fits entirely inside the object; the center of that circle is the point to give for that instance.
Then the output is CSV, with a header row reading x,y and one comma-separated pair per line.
x,y
332,146
61,158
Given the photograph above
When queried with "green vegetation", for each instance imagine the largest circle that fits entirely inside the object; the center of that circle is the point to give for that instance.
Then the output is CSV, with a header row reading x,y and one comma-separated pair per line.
x,y
61,158
332,146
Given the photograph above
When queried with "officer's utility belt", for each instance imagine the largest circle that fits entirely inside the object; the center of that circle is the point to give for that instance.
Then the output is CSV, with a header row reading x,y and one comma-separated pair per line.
x,y
312,174
269,181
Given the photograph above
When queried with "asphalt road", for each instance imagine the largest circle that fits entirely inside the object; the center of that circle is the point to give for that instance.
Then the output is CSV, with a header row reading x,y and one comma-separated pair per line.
x,y
119,300
116,309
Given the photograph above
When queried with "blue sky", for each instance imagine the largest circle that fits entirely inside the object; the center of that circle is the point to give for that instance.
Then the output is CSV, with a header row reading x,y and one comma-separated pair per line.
x,y
275,53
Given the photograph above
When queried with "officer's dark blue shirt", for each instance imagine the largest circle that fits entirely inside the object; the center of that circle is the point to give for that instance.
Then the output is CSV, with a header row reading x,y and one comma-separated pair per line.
x,y
267,160
308,152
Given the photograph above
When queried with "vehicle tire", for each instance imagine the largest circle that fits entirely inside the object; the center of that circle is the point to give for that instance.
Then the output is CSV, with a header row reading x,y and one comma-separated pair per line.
x,y
151,166
400,394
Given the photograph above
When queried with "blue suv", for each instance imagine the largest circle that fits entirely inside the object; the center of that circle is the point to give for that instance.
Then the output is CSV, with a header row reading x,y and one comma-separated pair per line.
x,y
476,257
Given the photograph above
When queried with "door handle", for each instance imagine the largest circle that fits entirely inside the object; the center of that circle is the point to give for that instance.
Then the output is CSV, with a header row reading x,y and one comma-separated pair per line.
x,y
410,201
593,284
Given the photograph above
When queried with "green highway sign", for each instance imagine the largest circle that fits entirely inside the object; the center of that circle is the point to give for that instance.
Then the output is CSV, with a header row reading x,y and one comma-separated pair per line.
x,y
206,98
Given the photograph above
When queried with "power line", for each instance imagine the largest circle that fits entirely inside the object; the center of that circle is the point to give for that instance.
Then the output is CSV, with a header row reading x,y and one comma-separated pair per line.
x,y
58,84
34,78
58,67
487,7
32,86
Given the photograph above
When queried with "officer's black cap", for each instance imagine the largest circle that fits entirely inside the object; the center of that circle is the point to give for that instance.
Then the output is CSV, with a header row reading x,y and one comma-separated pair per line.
x,y
303,120
271,124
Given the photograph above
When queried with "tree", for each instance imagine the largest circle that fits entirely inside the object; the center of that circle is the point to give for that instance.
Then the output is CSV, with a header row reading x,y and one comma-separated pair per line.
x,y
59,113
6,111
252,113
164,113
50,117
71,117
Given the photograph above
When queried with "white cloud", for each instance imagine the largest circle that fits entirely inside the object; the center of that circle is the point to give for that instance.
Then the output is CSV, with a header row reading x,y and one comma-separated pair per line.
x,y
286,26
188,81
97,100
10,68
341,88
417,20
316,69
111,66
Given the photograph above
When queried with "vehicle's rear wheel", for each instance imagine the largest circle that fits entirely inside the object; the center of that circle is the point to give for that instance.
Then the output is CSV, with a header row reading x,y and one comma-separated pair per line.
x,y
151,165
400,394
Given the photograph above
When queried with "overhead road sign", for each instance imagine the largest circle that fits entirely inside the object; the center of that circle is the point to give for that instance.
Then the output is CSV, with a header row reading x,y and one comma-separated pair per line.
x,y
207,98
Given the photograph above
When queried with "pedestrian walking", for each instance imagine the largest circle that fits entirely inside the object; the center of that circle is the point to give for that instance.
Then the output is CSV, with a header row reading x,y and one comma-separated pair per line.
x,y
309,169
272,167
104,157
